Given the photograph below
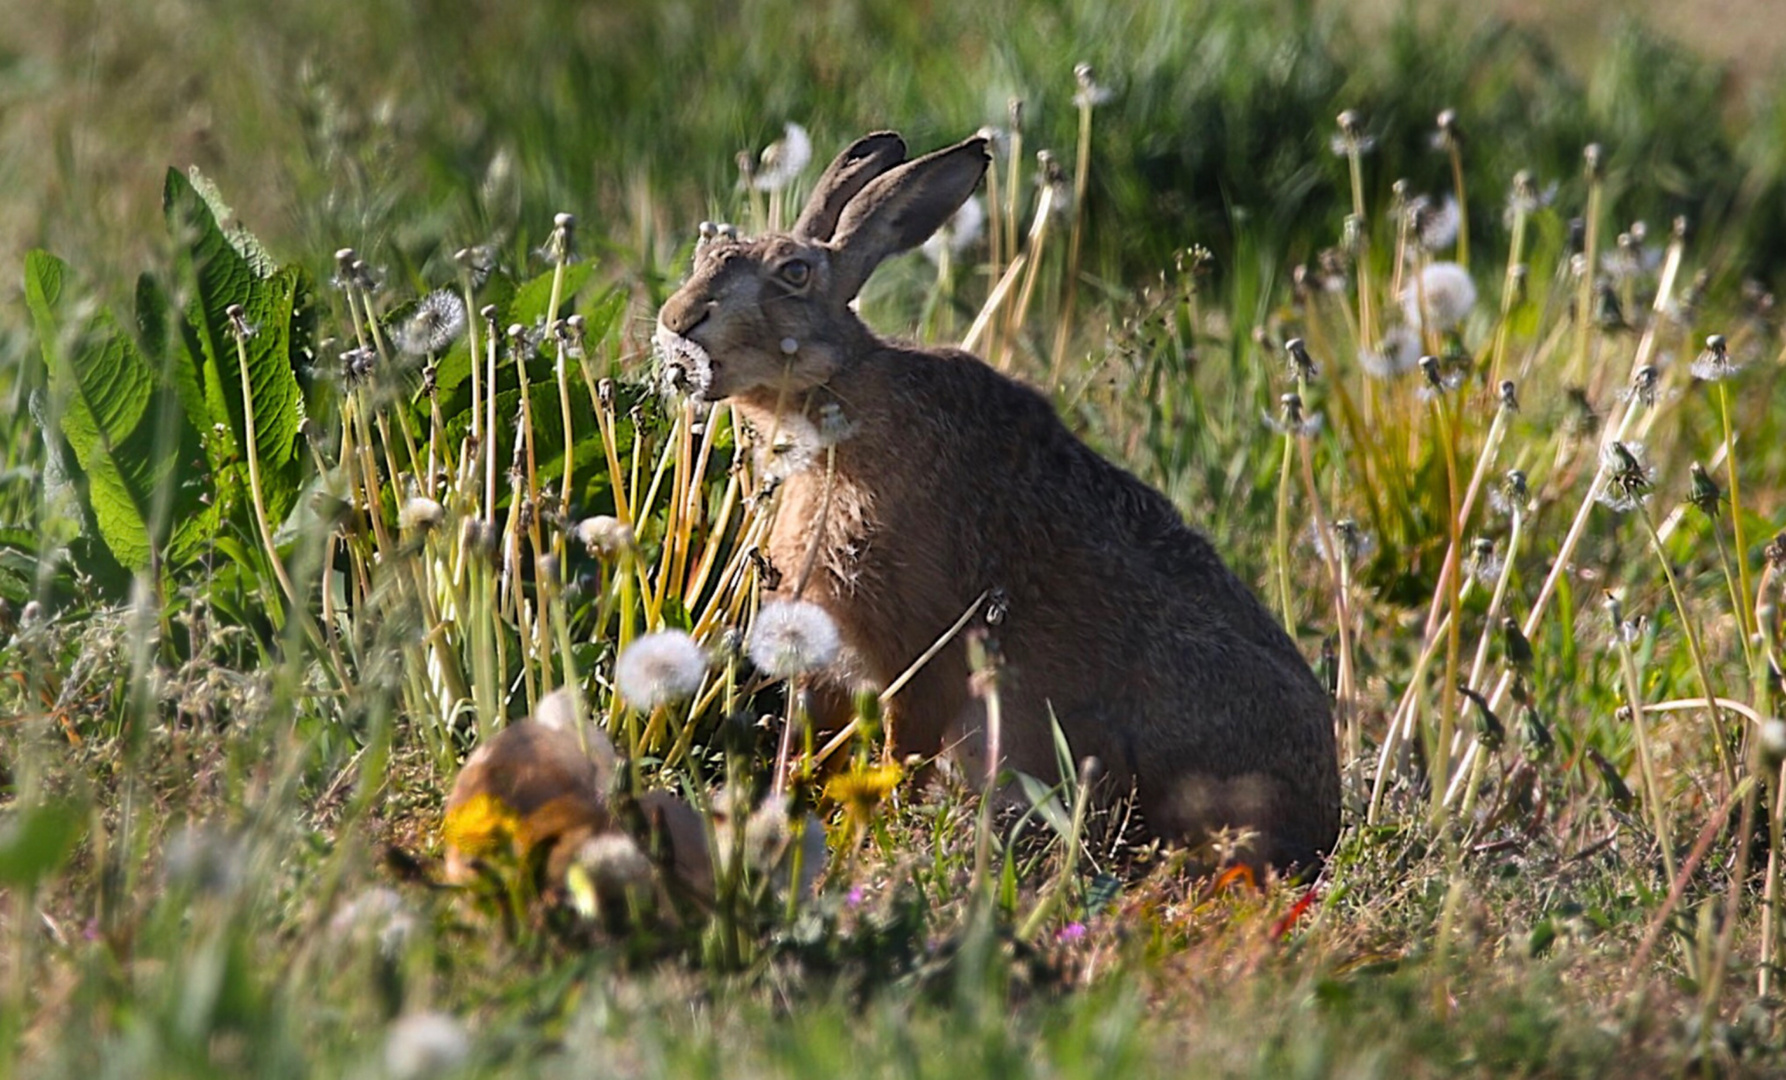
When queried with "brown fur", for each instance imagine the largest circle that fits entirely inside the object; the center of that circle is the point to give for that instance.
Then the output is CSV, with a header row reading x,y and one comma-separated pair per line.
x,y
951,480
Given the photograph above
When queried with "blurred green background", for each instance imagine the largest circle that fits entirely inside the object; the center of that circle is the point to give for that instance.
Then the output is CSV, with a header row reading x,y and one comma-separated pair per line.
x,y
413,127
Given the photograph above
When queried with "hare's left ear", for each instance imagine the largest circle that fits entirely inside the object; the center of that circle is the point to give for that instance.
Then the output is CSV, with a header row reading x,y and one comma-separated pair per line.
x,y
900,208
860,162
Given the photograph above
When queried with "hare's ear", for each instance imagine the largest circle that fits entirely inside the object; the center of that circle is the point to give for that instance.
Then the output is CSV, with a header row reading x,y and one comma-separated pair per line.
x,y
901,208
864,159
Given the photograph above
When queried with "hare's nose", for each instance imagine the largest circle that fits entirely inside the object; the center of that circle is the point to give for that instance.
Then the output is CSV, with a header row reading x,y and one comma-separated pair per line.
x,y
681,314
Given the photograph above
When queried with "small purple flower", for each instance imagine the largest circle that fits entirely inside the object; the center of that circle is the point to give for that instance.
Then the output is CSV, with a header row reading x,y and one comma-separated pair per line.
x,y
855,896
1071,932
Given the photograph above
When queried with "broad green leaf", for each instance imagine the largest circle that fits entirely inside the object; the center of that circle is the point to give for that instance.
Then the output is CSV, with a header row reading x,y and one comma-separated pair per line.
x,y
532,299
124,424
35,842
271,301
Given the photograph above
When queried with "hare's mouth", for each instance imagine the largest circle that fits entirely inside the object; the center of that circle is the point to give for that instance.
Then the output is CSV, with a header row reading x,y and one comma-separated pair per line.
x,y
684,365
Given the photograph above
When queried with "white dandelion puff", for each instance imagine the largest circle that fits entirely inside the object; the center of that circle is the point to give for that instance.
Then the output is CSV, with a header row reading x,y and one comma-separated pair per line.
x,y
425,1044
684,367
660,668
793,637
420,514
1090,94
604,535
1444,294
1483,563
958,233
378,914
1715,363
435,323
1773,739
1438,224
1345,539
835,425
1397,354
1629,480
1512,495
783,160
1301,425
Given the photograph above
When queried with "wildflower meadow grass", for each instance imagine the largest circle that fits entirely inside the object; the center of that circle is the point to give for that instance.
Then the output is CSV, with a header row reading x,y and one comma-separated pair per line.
x,y
389,687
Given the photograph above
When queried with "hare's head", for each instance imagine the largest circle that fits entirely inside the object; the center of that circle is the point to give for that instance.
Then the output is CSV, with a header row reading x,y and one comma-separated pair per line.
x,y
774,311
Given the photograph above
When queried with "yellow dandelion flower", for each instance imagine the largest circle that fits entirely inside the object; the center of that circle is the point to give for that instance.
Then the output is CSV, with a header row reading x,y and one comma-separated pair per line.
x,y
480,826
861,790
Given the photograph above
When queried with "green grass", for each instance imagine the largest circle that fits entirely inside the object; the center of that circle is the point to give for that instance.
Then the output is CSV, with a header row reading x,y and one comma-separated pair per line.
x,y
233,701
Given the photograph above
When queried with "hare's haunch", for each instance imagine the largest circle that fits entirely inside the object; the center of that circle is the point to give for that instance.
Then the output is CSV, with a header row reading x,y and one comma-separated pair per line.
x,y
947,480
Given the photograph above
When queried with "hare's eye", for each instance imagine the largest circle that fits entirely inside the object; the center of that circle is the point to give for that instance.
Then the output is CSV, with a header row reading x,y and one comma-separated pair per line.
x,y
795,272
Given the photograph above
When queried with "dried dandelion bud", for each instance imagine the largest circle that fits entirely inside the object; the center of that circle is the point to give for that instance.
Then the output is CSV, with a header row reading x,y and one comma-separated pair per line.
x,y
238,322
1703,494
1429,368
1509,396
1302,366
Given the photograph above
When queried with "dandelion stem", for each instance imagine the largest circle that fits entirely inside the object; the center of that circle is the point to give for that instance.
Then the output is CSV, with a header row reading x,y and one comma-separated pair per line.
x,y
1283,536
1441,757
1584,290
1652,794
1509,287
1720,737
1081,183
1743,614
1463,206
254,484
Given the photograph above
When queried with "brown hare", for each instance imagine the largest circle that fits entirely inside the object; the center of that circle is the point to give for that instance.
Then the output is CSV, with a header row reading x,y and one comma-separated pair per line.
x,y
916,480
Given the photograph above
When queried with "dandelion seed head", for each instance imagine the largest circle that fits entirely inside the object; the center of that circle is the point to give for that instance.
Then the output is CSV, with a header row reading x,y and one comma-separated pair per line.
x,y
1349,541
1291,420
659,669
420,514
1773,739
206,859
1443,296
1483,564
1302,366
1715,363
1435,225
1397,354
1527,197
783,159
604,535
1090,94
1629,481
959,233
1351,139
766,833
793,637
379,915
1644,383
834,426
425,1044
1512,495
683,365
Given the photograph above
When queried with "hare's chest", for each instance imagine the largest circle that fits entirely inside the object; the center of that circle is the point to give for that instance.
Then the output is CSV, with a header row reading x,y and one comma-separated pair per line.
x,y
827,538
